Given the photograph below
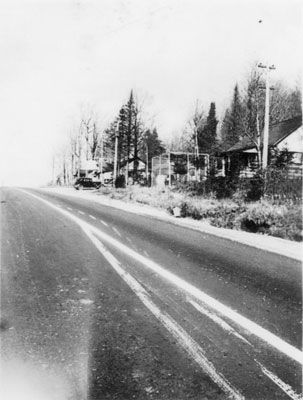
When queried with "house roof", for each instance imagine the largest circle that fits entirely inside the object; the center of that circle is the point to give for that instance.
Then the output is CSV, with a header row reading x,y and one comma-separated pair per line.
x,y
107,167
131,160
277,132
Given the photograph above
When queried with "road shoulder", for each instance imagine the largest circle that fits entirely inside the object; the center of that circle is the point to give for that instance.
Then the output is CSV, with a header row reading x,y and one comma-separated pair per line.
x,y
272,244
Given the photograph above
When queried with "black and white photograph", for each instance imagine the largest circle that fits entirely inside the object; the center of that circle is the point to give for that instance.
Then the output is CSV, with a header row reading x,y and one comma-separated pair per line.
x,y
151,161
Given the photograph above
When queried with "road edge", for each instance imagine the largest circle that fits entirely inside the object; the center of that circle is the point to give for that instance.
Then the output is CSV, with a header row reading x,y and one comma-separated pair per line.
x,y
271,244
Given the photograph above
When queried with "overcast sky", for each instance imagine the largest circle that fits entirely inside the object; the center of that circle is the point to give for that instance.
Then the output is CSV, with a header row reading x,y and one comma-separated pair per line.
x,y
61,56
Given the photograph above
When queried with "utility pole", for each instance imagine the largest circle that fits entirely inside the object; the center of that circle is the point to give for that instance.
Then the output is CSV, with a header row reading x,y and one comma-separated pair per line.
x,y
116,155
169,171
268,68
146,146
101,159
197,122
79,142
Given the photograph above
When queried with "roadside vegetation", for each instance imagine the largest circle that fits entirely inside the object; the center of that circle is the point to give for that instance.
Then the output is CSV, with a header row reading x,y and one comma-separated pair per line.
x,y
273,209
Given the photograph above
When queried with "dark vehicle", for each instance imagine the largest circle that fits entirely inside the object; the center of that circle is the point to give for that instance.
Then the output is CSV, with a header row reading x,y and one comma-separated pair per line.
x,y
86,183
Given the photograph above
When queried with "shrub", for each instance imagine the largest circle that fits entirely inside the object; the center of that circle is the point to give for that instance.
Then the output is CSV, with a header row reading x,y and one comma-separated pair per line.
x,y
190,188
190,210
273,220
255,187
120,181
226,216
222,187
281,187
266,217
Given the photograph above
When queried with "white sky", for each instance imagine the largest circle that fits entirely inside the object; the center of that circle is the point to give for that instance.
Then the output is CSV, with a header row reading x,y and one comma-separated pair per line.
x,y
58,56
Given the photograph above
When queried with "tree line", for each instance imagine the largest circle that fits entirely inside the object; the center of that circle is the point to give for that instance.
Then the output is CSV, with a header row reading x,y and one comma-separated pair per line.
x,y
128,131
137,140
243,118
133,139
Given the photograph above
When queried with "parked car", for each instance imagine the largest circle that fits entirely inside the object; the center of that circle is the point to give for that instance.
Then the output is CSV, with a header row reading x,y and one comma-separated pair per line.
x,y
86,183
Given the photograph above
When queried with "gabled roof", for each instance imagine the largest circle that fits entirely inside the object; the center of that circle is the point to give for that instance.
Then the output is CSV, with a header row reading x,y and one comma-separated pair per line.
x,y
277,132
125,162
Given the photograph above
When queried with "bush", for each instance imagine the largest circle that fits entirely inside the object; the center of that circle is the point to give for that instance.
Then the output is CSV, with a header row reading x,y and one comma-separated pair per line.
x,y
190,210
120,181
281,187
222,187
261,217
266,217
190,188
255,187
273,220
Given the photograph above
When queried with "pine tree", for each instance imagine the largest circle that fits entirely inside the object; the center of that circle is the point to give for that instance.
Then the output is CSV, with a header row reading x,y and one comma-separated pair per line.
x,y
207,140
152,146
122,136
130,114
225,128
109,141
233,124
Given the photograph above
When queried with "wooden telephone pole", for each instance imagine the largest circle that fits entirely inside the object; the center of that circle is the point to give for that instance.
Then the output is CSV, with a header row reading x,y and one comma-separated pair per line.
x,y
268,68
116,154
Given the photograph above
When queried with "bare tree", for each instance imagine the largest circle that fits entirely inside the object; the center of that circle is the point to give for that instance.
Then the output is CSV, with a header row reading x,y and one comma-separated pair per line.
x,y
284,104
253,110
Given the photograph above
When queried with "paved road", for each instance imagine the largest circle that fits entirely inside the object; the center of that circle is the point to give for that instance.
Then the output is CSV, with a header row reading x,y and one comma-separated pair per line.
x,y
98,303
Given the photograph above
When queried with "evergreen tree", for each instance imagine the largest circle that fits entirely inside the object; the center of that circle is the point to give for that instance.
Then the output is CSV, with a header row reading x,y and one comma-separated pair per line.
x,y
137,140
109,141
207,139
129,128
225,128
233,124
152,146
122,132
130,115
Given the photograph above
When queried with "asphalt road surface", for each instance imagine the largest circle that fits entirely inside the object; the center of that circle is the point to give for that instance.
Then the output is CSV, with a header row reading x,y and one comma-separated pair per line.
x,y
99,303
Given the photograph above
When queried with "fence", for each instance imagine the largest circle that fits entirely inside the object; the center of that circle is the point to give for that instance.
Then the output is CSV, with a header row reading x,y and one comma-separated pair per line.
x,y
179,166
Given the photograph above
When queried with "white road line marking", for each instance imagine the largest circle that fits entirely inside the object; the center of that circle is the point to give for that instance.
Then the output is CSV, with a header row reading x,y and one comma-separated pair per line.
x,y
81,212
92,217
218,321
103,222
250,326
284,386
116,231
145,253
70,209
179,334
